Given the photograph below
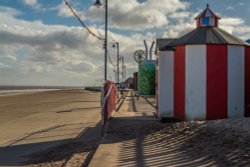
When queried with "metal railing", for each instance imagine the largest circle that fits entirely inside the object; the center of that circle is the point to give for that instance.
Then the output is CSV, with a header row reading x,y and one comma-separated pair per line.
x,y
108,103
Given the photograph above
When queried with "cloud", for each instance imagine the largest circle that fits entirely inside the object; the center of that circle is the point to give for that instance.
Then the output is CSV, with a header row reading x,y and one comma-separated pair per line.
x,y
9,11
184,22
180,15
229,8
36,68
81,67
241,4
32,3
231,21
9,58
235,26
242,32
51,51
46,50
2,66
35,53
131,14
63,10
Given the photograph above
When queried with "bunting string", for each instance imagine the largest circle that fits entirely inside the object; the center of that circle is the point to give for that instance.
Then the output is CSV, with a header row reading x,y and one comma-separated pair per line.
x,y
81,22
86,27
110,61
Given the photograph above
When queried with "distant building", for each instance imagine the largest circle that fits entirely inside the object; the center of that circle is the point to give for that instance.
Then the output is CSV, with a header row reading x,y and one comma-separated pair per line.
x,y
204,74
129,83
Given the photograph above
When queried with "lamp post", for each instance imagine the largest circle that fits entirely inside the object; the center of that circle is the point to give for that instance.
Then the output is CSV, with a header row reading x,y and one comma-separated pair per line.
x,y
116,44
125,73
122,59
115,73
98,4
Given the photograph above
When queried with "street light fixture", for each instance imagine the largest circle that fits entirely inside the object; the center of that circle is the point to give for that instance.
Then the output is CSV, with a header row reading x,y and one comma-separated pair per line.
x,y
122,59
125,73
98,4
116,44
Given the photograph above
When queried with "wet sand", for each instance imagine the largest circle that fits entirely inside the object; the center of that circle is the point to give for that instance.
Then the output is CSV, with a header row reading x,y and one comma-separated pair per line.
x,y
2,87
52,128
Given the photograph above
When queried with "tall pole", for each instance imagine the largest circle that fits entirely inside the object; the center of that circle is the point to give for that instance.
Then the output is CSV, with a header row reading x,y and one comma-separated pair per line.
x,y
125,73
118,59
150,51
116,44
115,72
122,58
106,40
146,48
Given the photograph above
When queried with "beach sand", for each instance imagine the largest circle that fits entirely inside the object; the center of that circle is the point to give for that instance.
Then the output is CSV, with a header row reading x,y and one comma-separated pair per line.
x,y
52,128
62,128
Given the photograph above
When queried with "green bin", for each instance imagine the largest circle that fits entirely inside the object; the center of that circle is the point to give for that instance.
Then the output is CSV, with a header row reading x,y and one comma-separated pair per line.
x,y
146,78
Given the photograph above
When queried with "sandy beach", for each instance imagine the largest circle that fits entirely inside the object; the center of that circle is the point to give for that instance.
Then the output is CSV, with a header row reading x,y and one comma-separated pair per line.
x,y
62,128
52,128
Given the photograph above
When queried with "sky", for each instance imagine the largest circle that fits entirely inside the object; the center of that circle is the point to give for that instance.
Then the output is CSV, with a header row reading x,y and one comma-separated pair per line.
x,y
42,43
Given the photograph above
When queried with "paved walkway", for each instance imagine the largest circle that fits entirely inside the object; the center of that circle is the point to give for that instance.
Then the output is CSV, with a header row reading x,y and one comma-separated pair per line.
x,y
121,145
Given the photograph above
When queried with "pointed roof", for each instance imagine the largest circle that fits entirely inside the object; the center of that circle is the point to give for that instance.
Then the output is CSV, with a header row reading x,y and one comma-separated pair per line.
x,y
162,44
207,35
207,13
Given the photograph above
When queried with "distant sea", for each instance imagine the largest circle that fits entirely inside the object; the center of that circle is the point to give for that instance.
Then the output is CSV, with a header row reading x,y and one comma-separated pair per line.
x,y
24,90
28,89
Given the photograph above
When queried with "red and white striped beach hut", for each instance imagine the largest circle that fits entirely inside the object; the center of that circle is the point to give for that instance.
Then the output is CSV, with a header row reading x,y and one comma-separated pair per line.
x,y
207,76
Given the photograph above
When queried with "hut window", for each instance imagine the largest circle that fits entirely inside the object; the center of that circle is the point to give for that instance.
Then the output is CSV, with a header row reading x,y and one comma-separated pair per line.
x,y
211,22
205,21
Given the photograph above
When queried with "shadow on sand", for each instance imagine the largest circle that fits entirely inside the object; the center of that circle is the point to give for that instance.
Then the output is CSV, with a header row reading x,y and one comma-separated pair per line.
x,y
144,143
77,109
53,145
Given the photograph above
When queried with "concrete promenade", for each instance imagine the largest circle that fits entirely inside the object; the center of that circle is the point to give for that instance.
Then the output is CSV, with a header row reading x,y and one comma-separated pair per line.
x,y
120,145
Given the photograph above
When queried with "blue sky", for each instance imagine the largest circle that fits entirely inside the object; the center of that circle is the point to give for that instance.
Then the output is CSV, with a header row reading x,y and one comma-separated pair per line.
x,y
41,43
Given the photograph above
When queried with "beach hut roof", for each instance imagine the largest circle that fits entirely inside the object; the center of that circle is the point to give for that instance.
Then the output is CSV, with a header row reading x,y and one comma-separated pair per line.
x,y
207,32
207,35
162,44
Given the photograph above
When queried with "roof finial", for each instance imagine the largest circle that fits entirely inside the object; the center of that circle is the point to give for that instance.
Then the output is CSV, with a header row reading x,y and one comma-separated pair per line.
x,y
207,5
